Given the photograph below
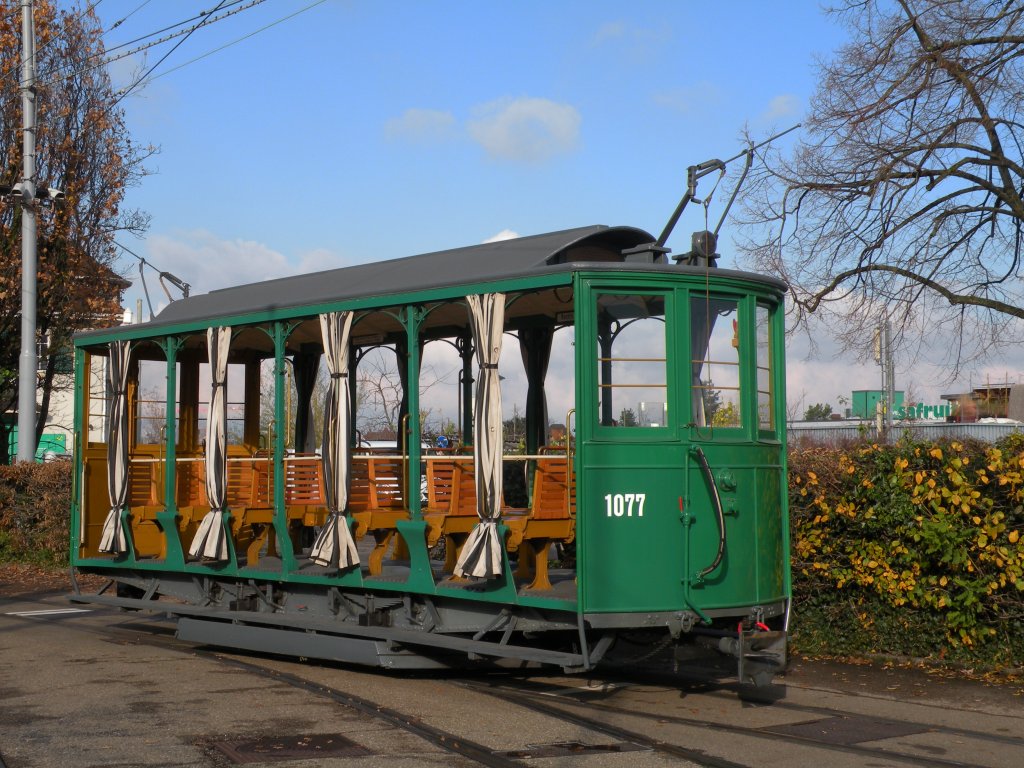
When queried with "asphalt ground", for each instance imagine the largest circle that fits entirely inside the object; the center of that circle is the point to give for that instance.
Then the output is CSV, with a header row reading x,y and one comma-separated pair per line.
x,y
99,687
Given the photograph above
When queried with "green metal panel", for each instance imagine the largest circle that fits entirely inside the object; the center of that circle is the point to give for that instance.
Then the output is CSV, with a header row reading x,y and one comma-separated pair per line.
x,y
653,561
632,551
630,533
864,402
48,443
752,569
78,451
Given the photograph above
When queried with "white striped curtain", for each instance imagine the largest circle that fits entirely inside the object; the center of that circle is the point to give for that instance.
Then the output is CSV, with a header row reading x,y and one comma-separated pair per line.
x,y
211,540
334,545
113,538
482,555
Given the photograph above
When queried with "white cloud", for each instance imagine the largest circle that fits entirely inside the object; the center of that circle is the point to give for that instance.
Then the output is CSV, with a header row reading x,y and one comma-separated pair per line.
x,y
690,99
319,260
635,41
505,234
526,129
126,71
207,262
421,125
610,30
783,105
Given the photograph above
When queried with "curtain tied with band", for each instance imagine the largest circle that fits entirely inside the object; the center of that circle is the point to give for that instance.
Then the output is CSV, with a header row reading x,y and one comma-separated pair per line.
x,y
113,539
483,554
334,545
211,540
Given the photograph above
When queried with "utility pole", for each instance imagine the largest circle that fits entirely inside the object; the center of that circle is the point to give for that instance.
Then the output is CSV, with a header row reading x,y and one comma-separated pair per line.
x,y
884,357
29,264
890,378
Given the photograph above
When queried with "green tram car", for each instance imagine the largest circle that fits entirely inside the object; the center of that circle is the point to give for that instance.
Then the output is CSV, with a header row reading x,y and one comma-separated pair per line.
x,y
217,482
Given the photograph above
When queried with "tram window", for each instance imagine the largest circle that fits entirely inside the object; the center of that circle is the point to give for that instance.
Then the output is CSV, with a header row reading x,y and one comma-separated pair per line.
x,y
765,414
99,399
715,362
151,402
236,402
631,360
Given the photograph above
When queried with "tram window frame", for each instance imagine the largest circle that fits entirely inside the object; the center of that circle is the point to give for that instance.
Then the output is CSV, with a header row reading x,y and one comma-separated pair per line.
x,y
97,399
237,425
741,337
137,417
619,431
768,343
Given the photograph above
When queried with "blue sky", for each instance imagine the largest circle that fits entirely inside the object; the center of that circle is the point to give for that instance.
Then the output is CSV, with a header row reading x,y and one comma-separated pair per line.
x,y
359,131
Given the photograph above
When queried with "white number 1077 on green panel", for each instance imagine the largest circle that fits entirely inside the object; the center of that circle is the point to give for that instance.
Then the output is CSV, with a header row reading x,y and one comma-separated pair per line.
x,y
625,504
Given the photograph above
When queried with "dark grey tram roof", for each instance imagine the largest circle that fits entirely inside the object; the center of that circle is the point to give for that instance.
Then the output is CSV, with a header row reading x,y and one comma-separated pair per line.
x,y
518,257
501,260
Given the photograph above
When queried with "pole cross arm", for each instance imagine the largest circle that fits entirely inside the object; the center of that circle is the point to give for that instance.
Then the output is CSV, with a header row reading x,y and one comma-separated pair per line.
x,y
39,193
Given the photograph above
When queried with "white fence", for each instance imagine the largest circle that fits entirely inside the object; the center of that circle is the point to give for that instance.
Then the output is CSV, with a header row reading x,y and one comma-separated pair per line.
x,y
851,431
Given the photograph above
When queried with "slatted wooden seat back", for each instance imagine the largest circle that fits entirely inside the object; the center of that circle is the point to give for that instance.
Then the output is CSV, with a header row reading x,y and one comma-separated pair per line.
x,y
554,493
263,482
240,485
190,484
464,504
441,474
144,494
386,480
304,482
142,484
358,484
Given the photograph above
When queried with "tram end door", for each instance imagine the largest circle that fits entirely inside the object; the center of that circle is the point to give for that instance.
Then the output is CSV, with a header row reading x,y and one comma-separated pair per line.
x,y
632,554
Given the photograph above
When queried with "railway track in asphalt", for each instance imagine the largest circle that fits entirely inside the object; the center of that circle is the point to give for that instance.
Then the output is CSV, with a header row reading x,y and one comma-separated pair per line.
x,y
612,710
834,726
447,740
157,635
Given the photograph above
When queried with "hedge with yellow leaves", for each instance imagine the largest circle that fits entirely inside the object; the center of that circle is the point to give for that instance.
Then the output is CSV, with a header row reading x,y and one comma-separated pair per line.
x,y
912,549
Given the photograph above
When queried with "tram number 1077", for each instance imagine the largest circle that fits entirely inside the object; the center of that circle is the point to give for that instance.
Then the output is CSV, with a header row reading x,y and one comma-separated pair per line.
x,y
625,504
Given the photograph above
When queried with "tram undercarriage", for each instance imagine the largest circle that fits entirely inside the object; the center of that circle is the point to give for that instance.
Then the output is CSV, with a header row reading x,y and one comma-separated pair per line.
x,y
421,632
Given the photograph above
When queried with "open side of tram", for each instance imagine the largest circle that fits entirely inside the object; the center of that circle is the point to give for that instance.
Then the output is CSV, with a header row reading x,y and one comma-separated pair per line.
x,y
222,475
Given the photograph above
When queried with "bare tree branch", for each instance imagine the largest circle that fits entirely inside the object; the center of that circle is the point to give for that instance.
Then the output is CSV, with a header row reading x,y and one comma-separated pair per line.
x,y
909,184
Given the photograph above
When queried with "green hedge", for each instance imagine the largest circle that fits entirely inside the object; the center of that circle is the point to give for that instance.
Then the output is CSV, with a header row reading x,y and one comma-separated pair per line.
x,y
912,549
34,504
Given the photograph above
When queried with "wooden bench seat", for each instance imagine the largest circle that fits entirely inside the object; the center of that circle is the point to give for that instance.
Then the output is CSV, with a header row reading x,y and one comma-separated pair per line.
x,y
552,518
451,506
144,502
451,510
250,500
376,503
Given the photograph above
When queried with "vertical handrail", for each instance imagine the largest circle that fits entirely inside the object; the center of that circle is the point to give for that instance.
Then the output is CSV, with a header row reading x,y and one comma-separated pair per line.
x,y
161,454
716,500
568,461
404,451
271,451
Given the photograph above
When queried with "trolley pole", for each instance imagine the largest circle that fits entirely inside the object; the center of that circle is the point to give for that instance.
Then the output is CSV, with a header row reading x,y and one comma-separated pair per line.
x,y
29,263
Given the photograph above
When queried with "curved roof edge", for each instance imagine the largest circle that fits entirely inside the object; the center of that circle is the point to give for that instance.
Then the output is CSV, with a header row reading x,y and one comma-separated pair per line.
x,y
486,262
597,246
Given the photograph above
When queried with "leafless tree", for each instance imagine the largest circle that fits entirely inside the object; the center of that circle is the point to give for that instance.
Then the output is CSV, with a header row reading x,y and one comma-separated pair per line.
x,y
905,196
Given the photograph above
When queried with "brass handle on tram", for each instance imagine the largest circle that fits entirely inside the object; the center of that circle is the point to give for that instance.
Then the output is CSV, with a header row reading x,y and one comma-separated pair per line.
x,y
161,466
271,429
719,513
